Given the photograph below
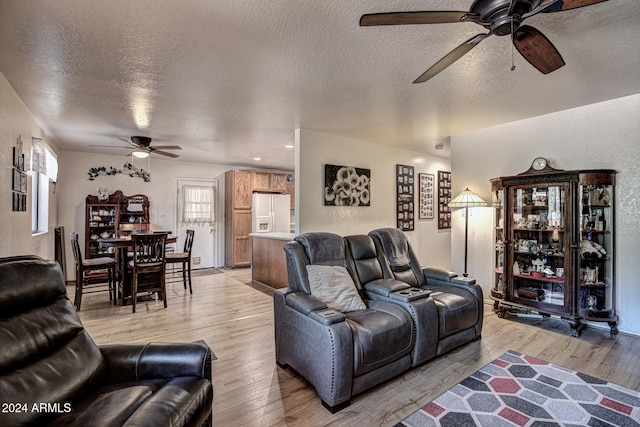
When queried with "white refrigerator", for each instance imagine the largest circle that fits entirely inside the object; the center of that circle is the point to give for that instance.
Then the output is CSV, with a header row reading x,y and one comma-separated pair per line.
x,y
270,213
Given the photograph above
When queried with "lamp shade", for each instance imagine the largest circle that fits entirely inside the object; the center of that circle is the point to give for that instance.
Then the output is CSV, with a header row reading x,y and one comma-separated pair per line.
x,y
466,199
141,154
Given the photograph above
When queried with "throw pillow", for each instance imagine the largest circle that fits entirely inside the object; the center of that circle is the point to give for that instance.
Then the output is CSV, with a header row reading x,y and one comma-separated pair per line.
x,y
333,285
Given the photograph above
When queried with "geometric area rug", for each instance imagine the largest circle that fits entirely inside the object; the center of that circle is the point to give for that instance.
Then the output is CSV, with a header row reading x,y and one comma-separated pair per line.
x,y
520,390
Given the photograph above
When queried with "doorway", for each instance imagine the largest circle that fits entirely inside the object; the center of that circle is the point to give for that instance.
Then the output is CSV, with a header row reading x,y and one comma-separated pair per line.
x,y
197,209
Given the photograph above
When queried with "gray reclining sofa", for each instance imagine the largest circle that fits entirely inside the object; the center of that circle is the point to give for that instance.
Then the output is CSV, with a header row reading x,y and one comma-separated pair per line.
x,y
405,315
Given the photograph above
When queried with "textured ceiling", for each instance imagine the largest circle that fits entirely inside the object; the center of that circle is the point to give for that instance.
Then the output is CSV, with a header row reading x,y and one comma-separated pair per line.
x,y
230,80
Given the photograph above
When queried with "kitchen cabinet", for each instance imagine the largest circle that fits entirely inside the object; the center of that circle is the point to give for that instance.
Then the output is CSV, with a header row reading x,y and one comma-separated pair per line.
x,y
269,262
262,181
269,182
291,190
240,185
239,188
278,182
241,250
238,192
554,245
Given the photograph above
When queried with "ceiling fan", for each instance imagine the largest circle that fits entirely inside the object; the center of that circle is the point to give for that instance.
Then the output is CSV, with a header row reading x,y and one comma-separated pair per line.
x,y
500,18
142,147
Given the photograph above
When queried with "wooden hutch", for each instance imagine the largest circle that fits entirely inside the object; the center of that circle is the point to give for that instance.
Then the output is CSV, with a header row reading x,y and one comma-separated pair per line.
x,y
117,216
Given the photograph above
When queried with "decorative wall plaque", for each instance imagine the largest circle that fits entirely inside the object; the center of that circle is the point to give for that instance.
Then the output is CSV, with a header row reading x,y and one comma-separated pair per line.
x,y
404,189
426,184
444,197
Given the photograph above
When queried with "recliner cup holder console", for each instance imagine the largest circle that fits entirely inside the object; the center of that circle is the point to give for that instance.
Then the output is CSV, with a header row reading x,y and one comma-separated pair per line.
x,y
410,294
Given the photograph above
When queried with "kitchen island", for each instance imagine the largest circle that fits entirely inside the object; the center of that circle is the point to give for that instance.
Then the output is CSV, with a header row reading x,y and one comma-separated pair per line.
x,y
268,260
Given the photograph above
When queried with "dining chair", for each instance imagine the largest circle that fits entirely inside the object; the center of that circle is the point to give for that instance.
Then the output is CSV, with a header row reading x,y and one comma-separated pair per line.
x,y
86,280
148,266
184,258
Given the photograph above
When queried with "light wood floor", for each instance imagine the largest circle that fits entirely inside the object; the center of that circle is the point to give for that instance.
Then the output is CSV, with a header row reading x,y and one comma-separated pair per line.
x,y
236,321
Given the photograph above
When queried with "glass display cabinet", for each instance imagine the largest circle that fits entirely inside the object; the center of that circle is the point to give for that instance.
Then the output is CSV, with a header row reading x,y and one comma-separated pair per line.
x,y
554,244
497,201
595,276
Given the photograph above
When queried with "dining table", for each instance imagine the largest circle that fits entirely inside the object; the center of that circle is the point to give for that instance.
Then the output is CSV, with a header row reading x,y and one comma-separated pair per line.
x,y
121,246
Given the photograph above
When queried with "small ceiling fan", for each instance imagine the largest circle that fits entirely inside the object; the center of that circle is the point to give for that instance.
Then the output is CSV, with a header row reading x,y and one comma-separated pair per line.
x,y
500,18
142,147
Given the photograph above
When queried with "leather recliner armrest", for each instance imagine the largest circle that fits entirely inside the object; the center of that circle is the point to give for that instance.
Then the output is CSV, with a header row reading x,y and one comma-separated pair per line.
x,y
384,287
314,308
442,275
327,316
135,362
304,303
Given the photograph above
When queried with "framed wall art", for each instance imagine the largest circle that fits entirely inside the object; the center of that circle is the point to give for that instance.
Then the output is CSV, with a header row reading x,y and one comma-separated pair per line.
x,y
19,179
346,186
404,188
426,184
444,197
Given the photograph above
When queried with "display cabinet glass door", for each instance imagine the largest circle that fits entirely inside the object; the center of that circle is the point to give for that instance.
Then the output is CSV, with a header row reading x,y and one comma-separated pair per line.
x,y
595,275
498,288
101,224
538,247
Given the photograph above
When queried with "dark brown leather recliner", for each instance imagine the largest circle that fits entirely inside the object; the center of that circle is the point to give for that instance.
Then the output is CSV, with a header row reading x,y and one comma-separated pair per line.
x,y
54,374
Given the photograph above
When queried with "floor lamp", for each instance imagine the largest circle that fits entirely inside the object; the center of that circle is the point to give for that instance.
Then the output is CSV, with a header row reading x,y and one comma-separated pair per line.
x,y
464,200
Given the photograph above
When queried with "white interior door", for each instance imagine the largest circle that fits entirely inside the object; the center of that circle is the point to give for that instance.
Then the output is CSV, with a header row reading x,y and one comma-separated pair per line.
x,y
204,253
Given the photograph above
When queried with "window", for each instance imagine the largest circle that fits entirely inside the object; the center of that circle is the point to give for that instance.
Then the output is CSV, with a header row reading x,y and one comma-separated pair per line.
x,y
39,203
197,203
43,168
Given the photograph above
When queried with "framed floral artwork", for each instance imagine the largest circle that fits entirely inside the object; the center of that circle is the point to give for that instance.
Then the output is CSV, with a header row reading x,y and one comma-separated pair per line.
x,y
346,186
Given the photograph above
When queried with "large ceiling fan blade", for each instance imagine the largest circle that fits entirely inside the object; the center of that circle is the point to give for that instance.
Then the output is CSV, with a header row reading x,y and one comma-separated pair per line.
x,y
407,18
568,4
164,153
451,57
128,141
111,146
536,48
166,147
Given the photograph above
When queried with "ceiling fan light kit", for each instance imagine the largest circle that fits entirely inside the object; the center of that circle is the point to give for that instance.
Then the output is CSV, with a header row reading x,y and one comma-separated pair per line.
x,y
141,154
498,17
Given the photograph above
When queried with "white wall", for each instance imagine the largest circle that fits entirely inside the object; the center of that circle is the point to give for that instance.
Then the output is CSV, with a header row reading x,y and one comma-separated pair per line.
x,y
74,186
603,135
15,227
314,150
